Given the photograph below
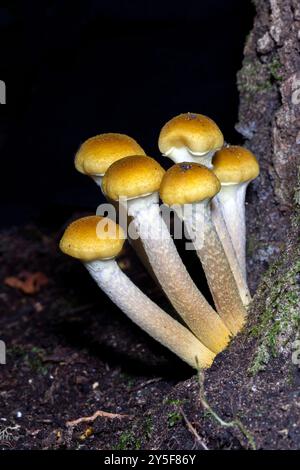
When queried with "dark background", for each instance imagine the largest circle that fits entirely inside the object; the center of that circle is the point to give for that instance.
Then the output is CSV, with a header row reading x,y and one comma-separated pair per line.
x,y
73,70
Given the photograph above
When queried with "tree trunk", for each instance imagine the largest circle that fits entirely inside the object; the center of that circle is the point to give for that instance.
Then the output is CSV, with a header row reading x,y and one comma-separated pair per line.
x,y
257,379
269,120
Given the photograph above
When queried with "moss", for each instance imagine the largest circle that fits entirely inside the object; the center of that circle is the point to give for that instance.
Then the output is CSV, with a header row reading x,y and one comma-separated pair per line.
x,y
128,379
253,77
174,417
16,352
256,77
128,440
278,326
148,427
33,358
137,436
172,401
297,191
275,67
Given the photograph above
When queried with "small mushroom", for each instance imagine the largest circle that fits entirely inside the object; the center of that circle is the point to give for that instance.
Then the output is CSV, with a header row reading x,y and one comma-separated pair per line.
x,y
192,186
95,156
136,180
190,137
97,153
96,241
235,167
195,138
223,233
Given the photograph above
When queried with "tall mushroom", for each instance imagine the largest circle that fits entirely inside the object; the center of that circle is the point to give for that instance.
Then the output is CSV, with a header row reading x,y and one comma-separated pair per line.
x,y
192,186
195,138
137,180
190,137
96,242
235,167
97,153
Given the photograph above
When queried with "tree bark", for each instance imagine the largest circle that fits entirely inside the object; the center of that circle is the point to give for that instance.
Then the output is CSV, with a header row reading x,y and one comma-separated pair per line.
x,y
269,120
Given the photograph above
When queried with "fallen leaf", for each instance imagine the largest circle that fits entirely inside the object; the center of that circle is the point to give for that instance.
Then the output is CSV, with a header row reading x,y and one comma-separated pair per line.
x,y
28,283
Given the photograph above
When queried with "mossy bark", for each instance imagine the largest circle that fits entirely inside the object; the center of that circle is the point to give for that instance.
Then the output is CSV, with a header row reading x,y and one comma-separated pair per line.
x,y
269,117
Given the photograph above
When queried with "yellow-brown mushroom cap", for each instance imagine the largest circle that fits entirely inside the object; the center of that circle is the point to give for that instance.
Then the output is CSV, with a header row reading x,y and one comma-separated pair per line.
x,y
132,177
186,183
96,154
92,238
197,132
235,164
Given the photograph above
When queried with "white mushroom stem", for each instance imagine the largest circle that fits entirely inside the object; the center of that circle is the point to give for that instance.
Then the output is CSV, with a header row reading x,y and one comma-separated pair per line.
x,y
222,231
173,276
183,154
135,242
98,180
219,275
147,315
232,201
238,265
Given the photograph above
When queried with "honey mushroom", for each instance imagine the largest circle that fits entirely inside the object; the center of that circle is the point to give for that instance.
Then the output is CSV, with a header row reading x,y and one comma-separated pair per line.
x,y
136,180
191,186
97,241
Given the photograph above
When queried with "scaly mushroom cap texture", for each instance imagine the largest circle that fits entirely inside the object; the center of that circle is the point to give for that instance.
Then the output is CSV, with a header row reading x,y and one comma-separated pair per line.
x,y
196,132
186,183
235,164
132,177
96,154
92,238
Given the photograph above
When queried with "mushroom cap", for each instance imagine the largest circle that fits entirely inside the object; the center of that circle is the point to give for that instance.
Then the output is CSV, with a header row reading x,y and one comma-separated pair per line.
x,y
197,132
92,238
132,177
186,183
235,164
97,153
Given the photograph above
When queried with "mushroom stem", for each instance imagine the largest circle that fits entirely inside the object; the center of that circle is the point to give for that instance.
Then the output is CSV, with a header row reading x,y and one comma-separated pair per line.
x,y
232,201
173,276
222,231
147,315
134,241
98,180
183,154
235,167
216,266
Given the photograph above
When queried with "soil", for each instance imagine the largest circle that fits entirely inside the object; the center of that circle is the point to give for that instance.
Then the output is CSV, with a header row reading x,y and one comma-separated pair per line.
x,y
71,353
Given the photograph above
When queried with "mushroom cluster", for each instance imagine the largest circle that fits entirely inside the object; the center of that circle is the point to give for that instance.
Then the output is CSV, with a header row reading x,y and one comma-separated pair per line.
x,y
206,189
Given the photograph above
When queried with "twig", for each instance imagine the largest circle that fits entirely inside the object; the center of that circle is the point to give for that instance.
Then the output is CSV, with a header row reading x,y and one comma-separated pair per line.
x,y
97,414
145,384
193,430
236,423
